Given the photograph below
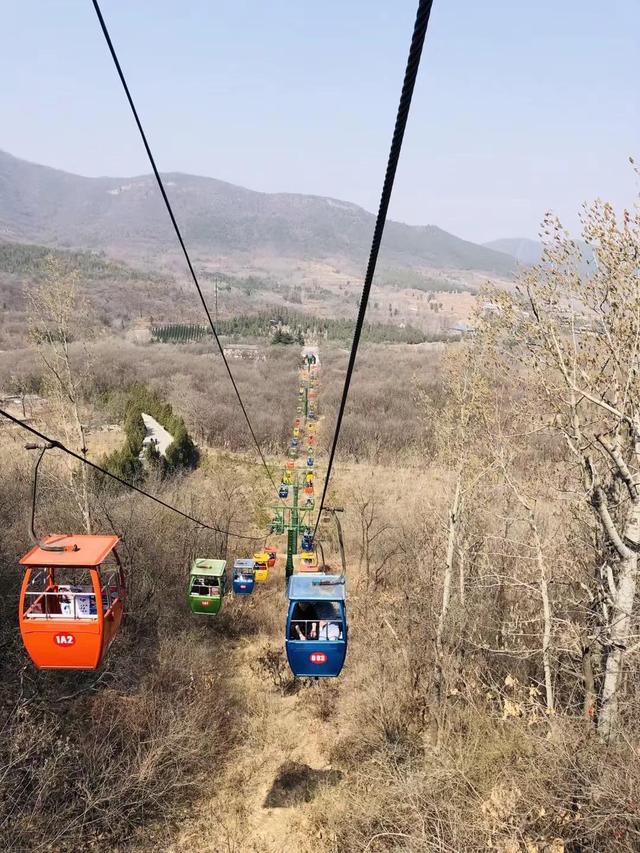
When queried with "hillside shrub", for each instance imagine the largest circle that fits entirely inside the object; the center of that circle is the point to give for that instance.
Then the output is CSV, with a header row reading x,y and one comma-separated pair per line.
x,y
182,453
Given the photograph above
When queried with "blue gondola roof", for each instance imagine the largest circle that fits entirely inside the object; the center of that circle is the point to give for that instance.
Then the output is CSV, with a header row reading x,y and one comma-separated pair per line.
x,y
306,587
244,564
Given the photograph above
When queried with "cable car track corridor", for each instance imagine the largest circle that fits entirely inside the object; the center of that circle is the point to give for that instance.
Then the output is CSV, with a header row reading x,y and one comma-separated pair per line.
x,y
280,730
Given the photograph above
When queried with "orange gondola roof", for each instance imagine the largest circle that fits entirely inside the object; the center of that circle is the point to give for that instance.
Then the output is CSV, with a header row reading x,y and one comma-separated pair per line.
x,y
91,551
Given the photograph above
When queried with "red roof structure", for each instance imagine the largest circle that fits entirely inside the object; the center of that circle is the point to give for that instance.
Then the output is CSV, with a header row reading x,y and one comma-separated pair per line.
x,y
80,551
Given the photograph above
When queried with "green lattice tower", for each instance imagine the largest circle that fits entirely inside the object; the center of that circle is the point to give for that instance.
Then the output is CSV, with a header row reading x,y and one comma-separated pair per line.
x,y
293,529
291,550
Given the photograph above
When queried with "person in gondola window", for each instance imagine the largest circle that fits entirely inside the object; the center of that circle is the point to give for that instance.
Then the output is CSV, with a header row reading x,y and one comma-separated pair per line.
x,y
329,631
330,626
305,625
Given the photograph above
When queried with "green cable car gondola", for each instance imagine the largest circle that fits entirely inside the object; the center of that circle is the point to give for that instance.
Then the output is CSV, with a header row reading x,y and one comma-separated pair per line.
x,y
207,583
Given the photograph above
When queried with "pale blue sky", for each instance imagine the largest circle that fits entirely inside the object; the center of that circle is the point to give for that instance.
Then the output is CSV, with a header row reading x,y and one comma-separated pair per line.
x,y
520,106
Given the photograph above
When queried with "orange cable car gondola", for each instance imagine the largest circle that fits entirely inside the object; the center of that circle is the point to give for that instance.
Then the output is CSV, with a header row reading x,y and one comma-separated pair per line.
x,y
71,601
69,611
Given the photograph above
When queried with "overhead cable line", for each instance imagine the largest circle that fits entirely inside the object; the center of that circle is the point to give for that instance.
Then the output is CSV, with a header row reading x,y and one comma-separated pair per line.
x,y
411,72
176,228
59,446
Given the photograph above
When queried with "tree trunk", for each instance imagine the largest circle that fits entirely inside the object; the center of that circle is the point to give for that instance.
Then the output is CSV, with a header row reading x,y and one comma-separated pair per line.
x,y
546,644
461,561
546,613
72,395
84,477
618,636
340,542
589,703
446,587
623,593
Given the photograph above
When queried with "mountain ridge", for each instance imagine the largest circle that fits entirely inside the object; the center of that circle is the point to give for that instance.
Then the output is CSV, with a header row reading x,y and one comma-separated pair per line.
x,y
58,208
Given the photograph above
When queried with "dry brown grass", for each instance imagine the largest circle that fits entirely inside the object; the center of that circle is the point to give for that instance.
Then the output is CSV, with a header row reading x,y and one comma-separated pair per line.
x,y
480,767
88,756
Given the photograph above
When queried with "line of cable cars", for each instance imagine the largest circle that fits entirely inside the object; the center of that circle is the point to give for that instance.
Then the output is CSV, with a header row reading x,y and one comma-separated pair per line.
x,y
73,593
208,579
316,634
297,436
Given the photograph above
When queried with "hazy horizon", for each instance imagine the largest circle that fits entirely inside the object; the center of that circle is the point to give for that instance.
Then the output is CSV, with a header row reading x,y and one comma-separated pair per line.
x,y
516,111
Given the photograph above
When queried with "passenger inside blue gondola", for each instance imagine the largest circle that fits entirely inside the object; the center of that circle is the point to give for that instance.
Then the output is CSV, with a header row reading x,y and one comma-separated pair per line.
x,y
330,621
307,540
315,657
304,624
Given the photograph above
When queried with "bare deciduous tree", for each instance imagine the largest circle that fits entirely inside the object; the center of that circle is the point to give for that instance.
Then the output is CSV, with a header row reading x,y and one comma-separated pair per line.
x,y
456,432
58,318
378,543
578,337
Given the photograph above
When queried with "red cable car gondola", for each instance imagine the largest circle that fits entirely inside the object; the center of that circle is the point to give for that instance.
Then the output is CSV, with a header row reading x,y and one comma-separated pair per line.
x,y
273,555
71,600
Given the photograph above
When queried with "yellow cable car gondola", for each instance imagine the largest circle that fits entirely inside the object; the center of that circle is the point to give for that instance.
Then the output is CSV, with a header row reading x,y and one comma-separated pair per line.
x,y
261,560
305,561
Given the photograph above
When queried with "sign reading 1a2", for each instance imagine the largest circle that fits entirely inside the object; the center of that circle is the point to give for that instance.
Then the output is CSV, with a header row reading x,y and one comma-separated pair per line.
x,y
64,639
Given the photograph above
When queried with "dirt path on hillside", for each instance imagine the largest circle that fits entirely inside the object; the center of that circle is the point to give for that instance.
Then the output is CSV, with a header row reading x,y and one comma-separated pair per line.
x,y
282,739
157,434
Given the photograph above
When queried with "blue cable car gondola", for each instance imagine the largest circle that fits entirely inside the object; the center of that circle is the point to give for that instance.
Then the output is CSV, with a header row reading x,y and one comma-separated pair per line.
x,y
244,577
316,633
283,491
307,540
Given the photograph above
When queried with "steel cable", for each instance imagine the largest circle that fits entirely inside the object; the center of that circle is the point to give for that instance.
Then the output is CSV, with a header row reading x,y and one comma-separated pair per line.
x,y
59,446
411,72
176,228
